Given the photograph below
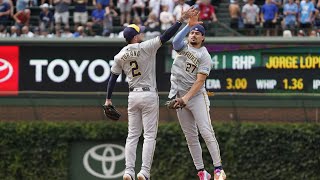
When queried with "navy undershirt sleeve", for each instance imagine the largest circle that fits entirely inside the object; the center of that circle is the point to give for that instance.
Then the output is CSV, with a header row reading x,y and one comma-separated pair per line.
x,y
169,33
112,82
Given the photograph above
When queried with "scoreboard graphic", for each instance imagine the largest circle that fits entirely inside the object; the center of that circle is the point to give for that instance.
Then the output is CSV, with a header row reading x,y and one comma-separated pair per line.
x,y
264,68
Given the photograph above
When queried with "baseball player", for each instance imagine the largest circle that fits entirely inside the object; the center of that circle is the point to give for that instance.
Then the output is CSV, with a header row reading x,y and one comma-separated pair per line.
x,y
189,71
137,60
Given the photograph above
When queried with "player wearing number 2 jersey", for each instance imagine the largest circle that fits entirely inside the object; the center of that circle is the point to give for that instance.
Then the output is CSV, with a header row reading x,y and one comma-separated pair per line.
x,y
137,60
189,71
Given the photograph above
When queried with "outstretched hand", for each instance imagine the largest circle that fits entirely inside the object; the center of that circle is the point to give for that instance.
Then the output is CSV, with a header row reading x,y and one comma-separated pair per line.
x,y
194,19
192,11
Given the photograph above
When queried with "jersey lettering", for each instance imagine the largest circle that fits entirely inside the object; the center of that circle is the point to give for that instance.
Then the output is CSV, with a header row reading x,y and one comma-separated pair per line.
x,y
130,54
135,69
190,56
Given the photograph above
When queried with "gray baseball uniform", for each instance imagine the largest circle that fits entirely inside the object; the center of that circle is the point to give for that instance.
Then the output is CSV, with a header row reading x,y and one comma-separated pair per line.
x,y
188,63
138,61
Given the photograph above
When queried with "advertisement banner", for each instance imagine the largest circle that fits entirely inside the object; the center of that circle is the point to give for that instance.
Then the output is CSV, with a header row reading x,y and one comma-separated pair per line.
x,y
70,68
99,160
9,70
67,68
259,68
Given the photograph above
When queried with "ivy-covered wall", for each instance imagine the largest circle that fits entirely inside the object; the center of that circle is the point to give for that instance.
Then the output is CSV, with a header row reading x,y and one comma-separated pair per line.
x,y
40,150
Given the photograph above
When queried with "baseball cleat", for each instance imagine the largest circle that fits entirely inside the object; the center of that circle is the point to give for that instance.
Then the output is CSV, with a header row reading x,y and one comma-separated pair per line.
x,y
204,175
142,177
219,174
127,177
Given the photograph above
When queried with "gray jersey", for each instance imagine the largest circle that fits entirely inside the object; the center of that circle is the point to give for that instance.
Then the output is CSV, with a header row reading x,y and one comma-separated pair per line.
x,y
138,61
187,64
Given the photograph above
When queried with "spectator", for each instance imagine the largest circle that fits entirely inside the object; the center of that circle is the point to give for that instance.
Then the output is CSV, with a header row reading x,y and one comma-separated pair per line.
x,y
297,3
306,15
24,4
11,6
313,33
22,18
26,33
79,33
181,7
170,4
152,23
166,18
207,11
46,34
58,32
98,18
14,32
152,26
234,12
290,12
301,33
154,7
45,18
4,13
3,31
104,3
137,21
250,15
269,14
80,15
89,29
207,14
287,33
61,14
37,32
278,3
139,5
125,10
317,16
108,20
66,33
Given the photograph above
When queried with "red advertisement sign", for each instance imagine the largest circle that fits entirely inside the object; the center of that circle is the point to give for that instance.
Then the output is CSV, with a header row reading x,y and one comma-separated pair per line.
x,y
9,70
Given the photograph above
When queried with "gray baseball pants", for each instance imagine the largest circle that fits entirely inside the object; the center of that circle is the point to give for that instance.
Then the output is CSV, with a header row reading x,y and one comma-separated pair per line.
x,y
143,114
195,116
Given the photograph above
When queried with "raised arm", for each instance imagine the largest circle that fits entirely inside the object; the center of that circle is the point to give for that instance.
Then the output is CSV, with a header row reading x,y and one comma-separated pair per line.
x,y
178,40
169,33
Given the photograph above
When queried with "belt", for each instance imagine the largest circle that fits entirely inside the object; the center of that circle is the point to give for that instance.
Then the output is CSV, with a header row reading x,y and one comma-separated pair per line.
x,y
143,89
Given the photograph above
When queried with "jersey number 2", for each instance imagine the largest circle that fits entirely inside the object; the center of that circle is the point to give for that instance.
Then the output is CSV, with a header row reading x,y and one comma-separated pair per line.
x,y
135,69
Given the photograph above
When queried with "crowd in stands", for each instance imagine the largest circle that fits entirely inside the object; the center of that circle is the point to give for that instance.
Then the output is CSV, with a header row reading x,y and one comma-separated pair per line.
x,y
82,18
290,17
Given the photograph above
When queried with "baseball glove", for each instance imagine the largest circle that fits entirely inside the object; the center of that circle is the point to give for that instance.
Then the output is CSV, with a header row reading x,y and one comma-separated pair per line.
x,y
111,112
175,103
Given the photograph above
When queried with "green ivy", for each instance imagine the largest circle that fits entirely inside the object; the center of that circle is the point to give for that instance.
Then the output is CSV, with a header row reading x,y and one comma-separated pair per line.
x,y
40,150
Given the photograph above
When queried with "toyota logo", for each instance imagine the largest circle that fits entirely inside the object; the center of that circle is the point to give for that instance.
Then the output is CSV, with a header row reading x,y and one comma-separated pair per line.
x,y
5,65
106,154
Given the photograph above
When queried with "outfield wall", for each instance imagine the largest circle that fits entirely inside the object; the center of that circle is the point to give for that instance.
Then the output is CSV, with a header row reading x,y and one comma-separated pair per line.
x,y
252,78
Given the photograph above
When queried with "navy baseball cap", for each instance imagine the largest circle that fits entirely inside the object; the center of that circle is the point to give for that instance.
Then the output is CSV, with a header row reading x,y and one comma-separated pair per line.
x,y
199,28
132,30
